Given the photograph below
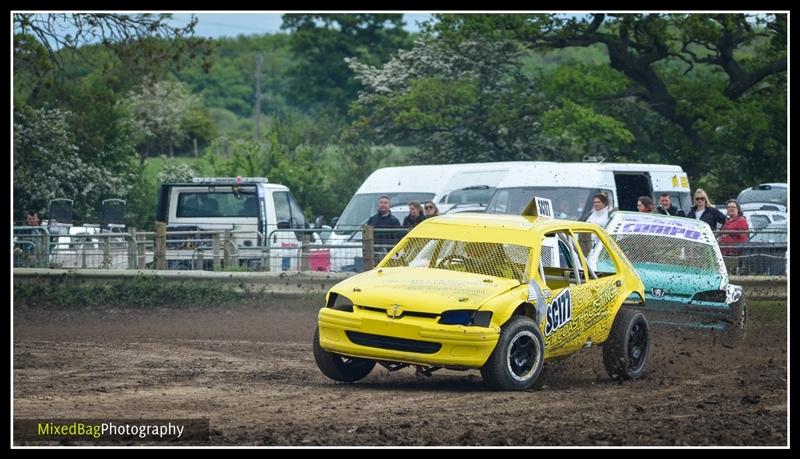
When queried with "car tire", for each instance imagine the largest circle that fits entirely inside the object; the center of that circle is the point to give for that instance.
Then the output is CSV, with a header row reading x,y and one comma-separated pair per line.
x,y
627,350
736,326
518,358
339,367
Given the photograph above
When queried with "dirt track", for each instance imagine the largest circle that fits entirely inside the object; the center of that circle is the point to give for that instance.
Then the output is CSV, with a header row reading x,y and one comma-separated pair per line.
x,y
251,371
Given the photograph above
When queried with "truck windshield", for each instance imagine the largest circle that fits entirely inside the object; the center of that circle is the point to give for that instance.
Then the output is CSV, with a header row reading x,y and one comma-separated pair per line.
x,y
363,206
218,204
568,203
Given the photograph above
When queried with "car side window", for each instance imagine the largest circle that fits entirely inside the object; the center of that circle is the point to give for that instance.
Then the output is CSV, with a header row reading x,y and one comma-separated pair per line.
x,y
587,250
560,252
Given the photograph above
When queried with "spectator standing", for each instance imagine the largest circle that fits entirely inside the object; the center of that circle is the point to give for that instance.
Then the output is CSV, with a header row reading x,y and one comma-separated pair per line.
x,y
32,218
600,209
384,219
430,209
734,230
665,206
415,215
704,210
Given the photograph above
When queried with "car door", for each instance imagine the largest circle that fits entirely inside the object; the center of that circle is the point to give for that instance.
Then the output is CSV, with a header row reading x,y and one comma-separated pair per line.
x,y
567,293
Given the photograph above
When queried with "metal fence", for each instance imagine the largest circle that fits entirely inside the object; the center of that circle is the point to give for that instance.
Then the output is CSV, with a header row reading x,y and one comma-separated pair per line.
x,y
354,249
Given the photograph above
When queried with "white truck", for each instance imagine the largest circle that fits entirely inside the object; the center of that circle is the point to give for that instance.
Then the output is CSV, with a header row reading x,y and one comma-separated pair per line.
x,y
260,216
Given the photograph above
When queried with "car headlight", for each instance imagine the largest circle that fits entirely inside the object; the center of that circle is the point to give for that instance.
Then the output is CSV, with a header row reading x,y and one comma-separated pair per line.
x,y
339,302
466,317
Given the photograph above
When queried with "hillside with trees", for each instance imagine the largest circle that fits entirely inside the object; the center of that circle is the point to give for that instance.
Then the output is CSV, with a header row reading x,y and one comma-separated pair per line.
x,y
321,105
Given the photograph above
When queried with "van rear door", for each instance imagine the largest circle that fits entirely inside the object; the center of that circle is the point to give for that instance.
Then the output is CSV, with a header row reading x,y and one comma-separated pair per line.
x,y
630,186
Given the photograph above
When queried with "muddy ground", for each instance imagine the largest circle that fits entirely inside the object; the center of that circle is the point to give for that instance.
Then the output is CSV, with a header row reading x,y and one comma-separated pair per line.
x,y
250,370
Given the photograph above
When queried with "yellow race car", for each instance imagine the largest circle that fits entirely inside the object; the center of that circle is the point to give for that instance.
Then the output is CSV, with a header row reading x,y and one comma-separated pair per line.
x,y
499,293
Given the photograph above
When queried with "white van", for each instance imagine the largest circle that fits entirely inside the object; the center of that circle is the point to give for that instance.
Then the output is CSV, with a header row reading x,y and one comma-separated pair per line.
x,y
572,186
408,183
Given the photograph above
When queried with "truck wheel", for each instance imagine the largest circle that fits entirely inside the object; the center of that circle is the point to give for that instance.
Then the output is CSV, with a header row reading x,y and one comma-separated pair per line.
x,y
736,326
627,349
518,358
339,367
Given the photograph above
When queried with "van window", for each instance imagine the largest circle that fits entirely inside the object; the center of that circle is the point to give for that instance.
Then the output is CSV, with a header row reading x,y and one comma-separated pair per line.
x,y
471,195
568,203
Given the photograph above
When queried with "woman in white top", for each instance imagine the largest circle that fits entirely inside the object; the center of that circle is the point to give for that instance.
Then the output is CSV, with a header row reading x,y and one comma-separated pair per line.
x,y
599,213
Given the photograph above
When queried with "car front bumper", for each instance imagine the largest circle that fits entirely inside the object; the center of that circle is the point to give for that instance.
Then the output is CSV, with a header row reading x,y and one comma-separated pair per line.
x,y
382,338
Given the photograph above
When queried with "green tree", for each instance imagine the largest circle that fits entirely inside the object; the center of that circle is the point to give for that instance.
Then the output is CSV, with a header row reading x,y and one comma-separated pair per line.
x,y
160,112
143,41
718,79
457,102
320,79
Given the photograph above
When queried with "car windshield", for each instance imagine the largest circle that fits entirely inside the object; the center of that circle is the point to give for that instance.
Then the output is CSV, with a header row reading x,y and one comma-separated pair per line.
x,y
646,249
773,195
363,206
508,261
568,203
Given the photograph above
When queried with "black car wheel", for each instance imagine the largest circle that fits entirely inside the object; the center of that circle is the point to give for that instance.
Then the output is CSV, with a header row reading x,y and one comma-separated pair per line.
x,y
517,360
339,367
736,326
627,349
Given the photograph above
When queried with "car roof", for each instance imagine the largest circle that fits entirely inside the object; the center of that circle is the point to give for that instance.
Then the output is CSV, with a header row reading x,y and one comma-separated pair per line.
x,y
481,227
774,185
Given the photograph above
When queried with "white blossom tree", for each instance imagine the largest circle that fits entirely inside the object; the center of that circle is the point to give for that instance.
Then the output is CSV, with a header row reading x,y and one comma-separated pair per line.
x,y
48,164
157,110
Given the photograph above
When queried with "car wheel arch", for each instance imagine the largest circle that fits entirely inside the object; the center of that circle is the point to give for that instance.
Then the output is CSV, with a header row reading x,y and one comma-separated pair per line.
x,y
525,309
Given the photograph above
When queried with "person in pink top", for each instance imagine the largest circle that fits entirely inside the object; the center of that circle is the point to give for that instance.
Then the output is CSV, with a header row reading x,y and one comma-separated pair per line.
x,y
734,230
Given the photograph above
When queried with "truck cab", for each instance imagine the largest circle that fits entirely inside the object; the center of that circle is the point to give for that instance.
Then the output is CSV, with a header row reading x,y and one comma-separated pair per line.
x,y
255,211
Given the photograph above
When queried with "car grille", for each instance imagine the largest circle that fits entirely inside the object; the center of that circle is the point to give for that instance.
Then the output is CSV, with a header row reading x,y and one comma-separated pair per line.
x,y
427,315
395,344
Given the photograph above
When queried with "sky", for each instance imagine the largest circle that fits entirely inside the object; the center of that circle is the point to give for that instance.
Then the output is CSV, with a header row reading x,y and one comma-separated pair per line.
x,y
217,24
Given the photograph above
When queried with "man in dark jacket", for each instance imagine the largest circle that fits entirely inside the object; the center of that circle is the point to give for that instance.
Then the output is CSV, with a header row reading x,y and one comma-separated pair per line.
x,y
384,219
666,208
704,210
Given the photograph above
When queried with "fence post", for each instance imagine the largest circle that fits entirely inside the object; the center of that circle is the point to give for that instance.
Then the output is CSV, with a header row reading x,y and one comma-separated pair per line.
x,y
106,264
215,249
140,248
304,260
226,249
368,247
42,252
200,259
161,245
132,248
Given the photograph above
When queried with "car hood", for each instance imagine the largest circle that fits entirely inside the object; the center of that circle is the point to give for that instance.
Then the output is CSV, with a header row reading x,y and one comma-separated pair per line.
x,y
422,289
677,280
